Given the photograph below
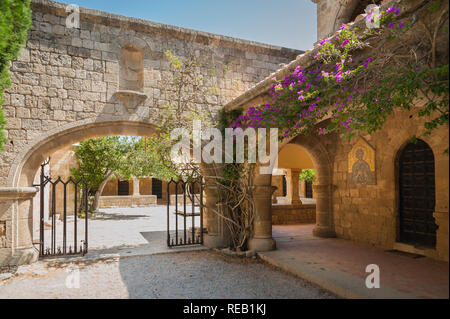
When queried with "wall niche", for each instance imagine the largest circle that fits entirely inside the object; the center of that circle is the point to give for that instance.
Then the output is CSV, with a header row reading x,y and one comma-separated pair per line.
x,y
131,69
131,77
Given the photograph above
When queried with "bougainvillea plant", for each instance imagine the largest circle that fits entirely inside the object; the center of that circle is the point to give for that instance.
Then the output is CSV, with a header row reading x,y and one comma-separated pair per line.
x,y
357,91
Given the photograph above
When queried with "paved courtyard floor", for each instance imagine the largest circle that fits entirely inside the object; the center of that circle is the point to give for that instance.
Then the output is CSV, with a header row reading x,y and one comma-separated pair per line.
x,y
201,274
121,227
339,265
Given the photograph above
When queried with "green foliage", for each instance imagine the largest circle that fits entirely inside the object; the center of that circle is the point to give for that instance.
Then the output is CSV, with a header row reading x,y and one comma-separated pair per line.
x,y
358,92
308,175
102,157
15,20
188,102
151,157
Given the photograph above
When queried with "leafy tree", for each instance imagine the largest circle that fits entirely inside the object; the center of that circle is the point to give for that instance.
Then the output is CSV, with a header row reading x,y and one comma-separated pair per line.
x,y
189,99
15,20
150,157
308,175
101,158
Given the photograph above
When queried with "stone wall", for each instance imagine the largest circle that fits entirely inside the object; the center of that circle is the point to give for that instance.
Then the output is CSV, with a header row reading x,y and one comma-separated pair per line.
x,y
66,83
293,214
369,213
332,14
68,75
127,201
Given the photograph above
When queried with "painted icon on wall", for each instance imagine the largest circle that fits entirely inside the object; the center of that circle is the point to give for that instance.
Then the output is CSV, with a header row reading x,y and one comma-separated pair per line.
x,y
361,164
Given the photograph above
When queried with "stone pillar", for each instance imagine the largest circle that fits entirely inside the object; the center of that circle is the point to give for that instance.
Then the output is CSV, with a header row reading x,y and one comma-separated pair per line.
x,y
288,186
16,226
136,191
217,235
303,189
295,196
324,219
442,243
262,229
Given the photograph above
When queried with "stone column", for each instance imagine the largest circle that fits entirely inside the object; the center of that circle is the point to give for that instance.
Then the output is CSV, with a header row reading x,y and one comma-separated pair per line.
x,y
324,219
295,196
288,187
217,235
16,226
136,191
303,189
442,244
262,229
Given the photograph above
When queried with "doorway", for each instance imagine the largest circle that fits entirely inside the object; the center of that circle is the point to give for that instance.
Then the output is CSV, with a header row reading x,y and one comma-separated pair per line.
x,y
417,195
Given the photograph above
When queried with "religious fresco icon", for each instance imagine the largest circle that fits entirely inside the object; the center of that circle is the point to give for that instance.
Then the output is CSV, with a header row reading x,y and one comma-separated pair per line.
x,y
361,164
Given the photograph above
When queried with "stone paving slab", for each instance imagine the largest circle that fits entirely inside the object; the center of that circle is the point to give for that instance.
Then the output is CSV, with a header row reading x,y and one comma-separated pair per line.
x,y
339,266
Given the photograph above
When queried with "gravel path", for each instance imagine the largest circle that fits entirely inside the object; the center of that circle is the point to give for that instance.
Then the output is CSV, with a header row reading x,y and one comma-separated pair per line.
x,y
202,274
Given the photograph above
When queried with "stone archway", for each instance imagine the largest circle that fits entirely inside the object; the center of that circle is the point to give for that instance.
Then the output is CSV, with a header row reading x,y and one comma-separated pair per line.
x,y
17,200
22,172
262,239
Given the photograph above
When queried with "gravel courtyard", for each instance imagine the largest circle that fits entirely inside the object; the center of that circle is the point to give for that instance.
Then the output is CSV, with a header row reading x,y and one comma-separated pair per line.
x,y
201,274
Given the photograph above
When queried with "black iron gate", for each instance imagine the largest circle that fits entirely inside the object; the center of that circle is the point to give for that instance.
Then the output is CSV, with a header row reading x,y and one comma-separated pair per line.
x,y
60,239
186,208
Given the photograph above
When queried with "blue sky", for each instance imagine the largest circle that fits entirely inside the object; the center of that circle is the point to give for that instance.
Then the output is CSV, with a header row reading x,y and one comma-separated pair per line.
x,y
288,23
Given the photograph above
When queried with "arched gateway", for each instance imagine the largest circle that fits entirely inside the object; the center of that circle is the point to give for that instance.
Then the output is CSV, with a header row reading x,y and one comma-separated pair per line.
x,y
108,77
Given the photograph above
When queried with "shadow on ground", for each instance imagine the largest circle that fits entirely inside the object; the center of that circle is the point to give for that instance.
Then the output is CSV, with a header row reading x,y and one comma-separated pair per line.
x,y
206,275
112,216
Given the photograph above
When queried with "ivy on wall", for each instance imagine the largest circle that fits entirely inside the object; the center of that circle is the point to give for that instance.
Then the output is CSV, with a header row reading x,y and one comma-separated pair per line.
x,y
15,20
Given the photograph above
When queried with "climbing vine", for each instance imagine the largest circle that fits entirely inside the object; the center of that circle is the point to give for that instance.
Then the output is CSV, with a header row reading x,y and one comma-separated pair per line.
x,y
359,77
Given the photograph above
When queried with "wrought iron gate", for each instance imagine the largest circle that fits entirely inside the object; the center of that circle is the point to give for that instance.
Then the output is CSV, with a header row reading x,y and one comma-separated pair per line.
x,y
187,209
57,242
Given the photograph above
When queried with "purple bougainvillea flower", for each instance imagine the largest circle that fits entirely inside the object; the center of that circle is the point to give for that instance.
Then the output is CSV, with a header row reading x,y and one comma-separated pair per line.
x,y
343,26
345,43
338,76
395,11
391,24
366,64
401,24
